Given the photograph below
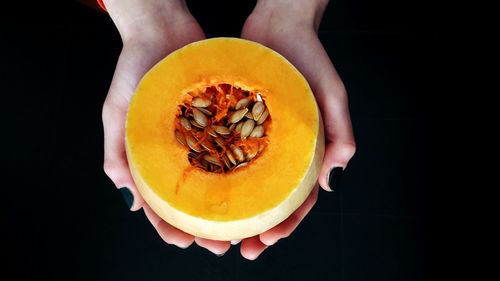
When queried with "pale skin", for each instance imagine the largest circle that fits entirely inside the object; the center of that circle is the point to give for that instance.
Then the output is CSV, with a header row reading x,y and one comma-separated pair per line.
x,y
152,29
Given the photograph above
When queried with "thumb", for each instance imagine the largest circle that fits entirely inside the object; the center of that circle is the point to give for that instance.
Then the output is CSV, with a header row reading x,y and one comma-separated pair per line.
x,y
340,144
131,66
115,158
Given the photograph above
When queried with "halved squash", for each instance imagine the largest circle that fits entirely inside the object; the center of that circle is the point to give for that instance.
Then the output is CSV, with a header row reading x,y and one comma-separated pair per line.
x,y
221,202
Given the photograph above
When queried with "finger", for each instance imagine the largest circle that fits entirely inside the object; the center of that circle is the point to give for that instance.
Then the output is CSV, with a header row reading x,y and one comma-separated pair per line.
x,y
252,247
129,70
168,233
217,247
285,228
340,144
115,158
235,242
333,103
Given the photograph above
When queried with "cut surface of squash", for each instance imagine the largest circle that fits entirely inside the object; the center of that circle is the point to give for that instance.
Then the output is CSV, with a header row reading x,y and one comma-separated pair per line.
x,y
244,202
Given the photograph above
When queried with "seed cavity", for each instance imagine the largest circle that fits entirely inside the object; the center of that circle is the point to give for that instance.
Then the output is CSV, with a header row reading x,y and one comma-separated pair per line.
x,y
223,127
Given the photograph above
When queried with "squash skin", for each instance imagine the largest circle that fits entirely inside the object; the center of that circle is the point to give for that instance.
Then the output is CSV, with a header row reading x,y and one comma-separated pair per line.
x,y
222,219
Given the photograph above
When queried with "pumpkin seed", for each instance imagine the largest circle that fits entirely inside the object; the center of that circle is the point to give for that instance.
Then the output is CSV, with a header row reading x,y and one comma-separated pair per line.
x,y
226,161
185,123
221,130
211,132
206,165
191,142
230,157
247,128
249,115
194,123
205,111
257,132
180,137
201,102
200,118
263,117
261,147
243,164
236,116
242,103
257,110
231,128
238,127
207,145
250,154
212,159
220,142
238,153
192,155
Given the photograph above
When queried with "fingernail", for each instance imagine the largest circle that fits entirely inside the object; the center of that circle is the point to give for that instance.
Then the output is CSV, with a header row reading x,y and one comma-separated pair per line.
x,y
127,196
220,255
334,178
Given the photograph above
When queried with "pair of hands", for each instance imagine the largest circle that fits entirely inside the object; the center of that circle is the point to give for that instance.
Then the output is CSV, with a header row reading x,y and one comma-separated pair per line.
x,y
150,30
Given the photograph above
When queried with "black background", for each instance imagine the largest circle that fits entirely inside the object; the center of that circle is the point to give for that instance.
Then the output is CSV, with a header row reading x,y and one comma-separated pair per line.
x,y
62,218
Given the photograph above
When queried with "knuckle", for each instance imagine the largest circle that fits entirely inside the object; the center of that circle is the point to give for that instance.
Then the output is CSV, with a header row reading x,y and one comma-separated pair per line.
x,y
110,168
348,149
106,110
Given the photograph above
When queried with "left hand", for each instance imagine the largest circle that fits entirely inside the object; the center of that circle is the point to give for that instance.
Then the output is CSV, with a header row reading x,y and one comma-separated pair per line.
x,y
290,28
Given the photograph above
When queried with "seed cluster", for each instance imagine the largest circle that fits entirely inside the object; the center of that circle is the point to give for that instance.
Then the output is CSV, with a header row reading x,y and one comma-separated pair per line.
x,y
224,127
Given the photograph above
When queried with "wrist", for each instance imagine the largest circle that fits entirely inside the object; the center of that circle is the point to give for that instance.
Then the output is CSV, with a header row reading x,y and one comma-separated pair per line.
x,y
300,12
146,20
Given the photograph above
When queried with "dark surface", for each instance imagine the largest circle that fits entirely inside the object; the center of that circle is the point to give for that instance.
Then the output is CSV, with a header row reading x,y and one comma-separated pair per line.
x,y
64,220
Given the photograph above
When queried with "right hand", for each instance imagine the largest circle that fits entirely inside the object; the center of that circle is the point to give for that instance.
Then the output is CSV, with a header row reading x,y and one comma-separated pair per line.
x,y
278,24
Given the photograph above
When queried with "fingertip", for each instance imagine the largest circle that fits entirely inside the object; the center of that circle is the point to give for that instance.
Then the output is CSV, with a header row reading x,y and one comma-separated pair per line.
x,y
127,196
138,201
174,236
252,248
133,200
267,239
184,244
322,180
219,248
117,170
337,156
168,233
235,242
251,256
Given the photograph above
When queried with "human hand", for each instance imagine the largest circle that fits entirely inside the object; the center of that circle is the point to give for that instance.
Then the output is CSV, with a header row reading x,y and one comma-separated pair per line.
x,y
150,30
290,28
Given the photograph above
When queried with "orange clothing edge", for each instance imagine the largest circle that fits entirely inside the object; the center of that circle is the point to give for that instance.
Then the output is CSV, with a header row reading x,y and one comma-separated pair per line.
x,y
101,4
